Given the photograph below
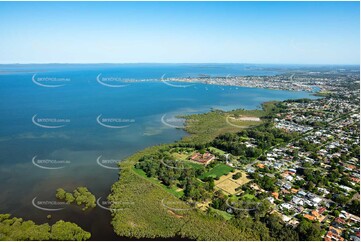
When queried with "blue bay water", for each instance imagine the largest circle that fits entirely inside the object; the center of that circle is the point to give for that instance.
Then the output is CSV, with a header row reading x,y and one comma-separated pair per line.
x,y
82,140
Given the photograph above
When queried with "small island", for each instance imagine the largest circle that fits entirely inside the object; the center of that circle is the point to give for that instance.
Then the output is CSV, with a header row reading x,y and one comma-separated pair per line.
x,y
81,195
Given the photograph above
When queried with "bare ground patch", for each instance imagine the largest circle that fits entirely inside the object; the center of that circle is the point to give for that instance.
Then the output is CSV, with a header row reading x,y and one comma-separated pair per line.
x,y
246,118
229,185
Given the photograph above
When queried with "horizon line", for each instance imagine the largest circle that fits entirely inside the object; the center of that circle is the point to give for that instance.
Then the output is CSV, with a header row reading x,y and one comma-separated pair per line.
x,y
190,63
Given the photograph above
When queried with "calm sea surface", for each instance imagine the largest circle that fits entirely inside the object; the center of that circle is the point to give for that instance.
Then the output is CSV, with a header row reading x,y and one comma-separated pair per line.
x,y
67,126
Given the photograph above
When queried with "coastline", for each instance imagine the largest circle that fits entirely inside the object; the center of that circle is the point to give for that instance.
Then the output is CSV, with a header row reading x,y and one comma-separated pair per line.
x,y
126,180
80,219
188,134
128,165
136,183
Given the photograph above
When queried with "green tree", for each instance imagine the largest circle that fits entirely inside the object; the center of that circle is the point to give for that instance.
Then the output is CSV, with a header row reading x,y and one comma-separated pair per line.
x,y
309,231
68,231
69,198
237,176
60,193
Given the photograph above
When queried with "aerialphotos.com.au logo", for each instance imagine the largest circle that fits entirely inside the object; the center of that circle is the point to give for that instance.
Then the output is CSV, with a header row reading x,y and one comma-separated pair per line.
x,y
247,205
172,122
50,206
122,205
111,81
174,164
50,123
178,205
49,164
173,85
51,82
108,163
114,123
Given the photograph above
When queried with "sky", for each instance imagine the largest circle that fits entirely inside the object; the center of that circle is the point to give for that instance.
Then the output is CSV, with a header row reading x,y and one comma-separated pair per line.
x,y
180,32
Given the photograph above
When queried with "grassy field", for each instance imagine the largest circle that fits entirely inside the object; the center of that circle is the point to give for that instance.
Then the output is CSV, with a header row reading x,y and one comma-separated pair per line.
x,y
205,127
178,156
216,151
195,165
217,171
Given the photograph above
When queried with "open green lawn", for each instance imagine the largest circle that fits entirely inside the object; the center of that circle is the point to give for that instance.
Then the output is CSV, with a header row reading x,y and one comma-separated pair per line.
x,y
195,165
217,171
216,150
